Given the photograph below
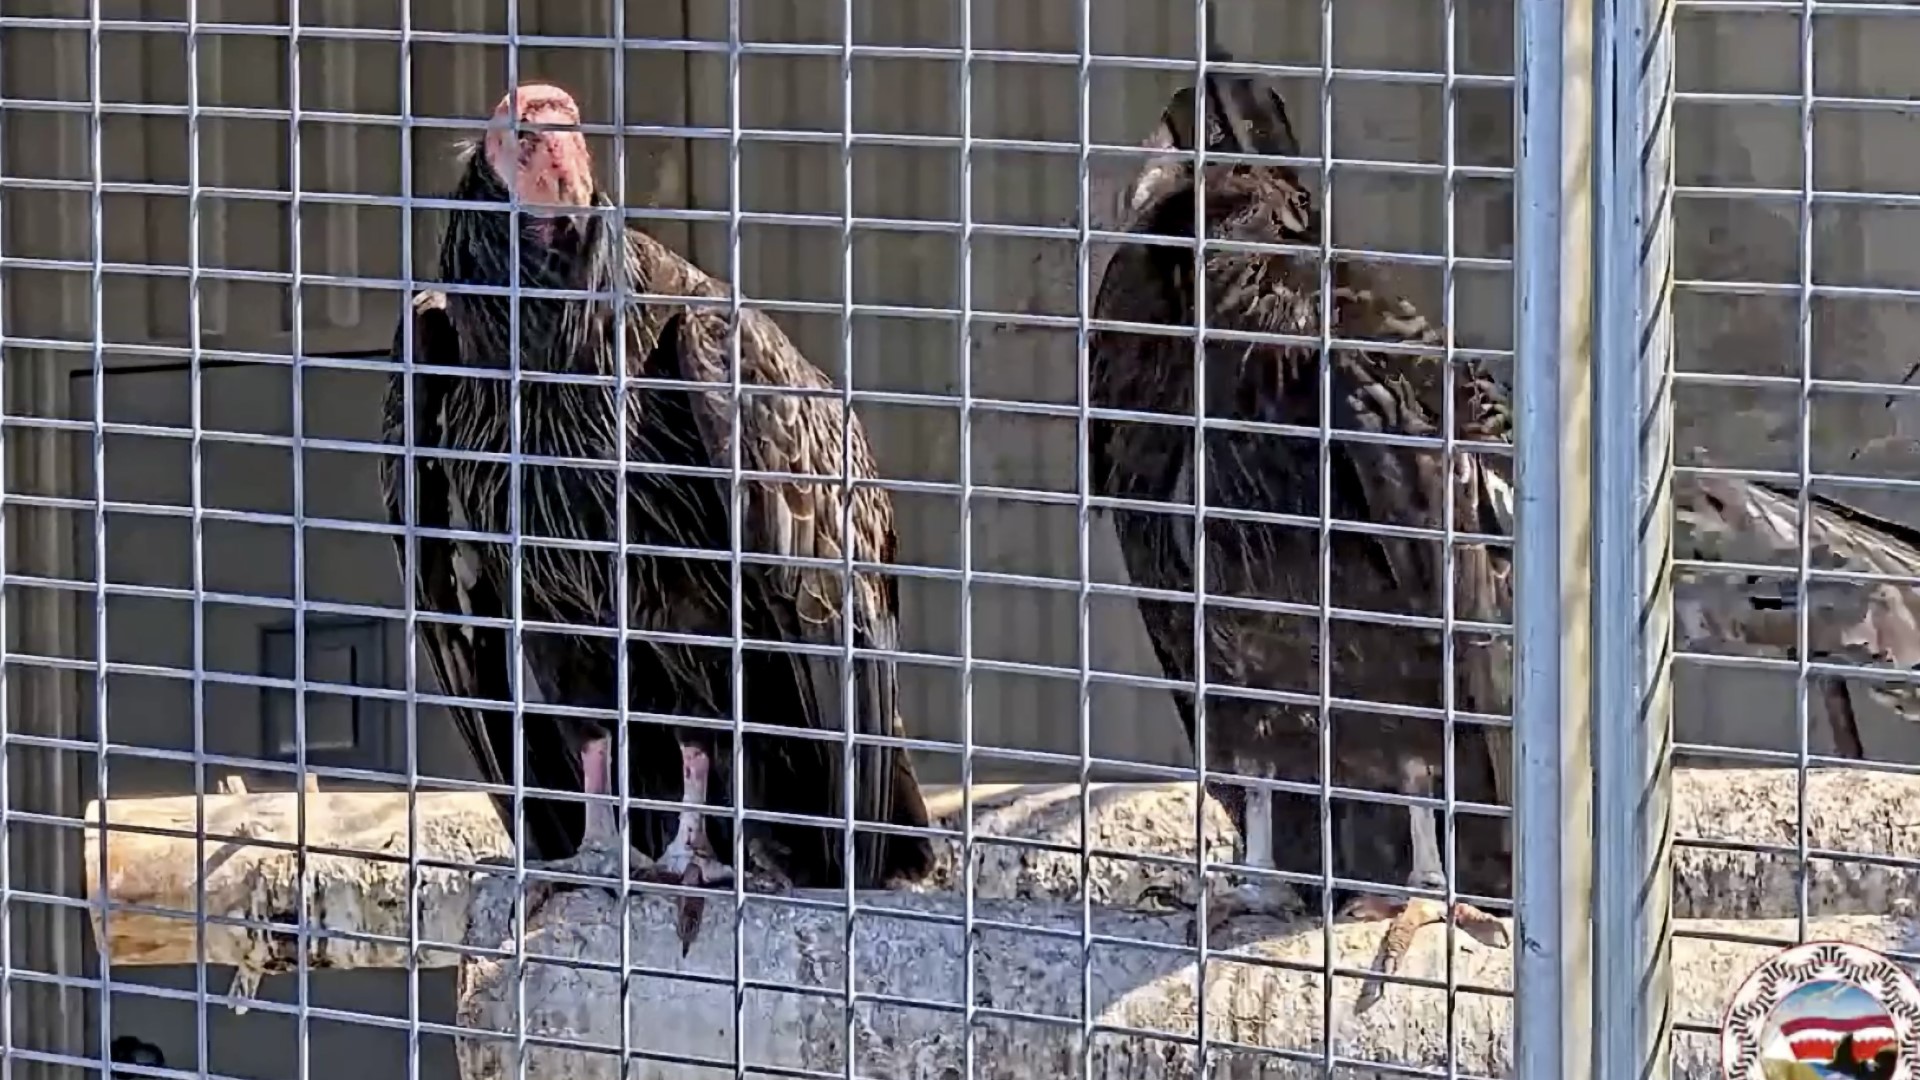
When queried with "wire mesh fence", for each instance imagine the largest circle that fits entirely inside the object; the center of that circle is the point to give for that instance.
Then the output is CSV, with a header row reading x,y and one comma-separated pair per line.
x,y
1789,560
445,444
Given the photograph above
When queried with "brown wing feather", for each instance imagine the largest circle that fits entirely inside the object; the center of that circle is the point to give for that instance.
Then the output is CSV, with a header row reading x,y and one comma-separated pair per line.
x,y
795,434
1727,519
1370,390
467,661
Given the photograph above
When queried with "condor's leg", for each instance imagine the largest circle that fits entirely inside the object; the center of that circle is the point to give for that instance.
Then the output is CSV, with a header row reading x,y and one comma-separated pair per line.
x,y
690,858
1408,916
598,852
1265,814
600,836
1278,830
596,778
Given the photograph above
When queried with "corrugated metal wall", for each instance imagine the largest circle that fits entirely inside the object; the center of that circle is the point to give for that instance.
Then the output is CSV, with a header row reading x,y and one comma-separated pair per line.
x,y
899,267
1375,121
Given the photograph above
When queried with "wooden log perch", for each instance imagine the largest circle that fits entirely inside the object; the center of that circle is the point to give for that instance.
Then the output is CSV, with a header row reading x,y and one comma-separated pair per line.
x,y
356,874
357,885
793,1015
358,868
1751,806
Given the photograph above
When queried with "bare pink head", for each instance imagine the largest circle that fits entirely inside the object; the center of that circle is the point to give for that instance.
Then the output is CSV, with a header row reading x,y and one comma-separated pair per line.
x,y
542,166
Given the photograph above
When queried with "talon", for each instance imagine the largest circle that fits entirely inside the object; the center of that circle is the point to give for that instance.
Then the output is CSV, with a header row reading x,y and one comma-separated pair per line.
x,y
1164,896
1253,898
764,856
1370,909
538,894
1216,925
1484,928
1406,919
661,873
692,911
1219,917
592,860
769,885
690,858
699,871
1411,917
1221,910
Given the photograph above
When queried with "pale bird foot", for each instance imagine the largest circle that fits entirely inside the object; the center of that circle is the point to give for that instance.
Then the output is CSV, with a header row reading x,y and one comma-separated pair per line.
x,y
687,865
1246,899
595,858
764,874
1408,917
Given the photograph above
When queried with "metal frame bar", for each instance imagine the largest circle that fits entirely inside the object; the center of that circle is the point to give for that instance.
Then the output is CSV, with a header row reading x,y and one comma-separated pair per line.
x,y
1593,281
1553,519
1632,548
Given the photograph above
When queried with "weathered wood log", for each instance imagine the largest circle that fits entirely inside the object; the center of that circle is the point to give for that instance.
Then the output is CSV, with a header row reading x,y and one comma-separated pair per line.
x,y
792,1013
357,867
360,888
1734,806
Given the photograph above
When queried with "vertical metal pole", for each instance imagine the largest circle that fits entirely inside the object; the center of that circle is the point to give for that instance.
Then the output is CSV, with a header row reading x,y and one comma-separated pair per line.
x,y
97,333
8,526
1553,106
1632,537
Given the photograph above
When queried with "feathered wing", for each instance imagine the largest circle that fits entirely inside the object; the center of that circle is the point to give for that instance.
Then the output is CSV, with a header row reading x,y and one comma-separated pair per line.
x,y
795,434
1377,392
1129,371
1249,115
1371,391
1404,394
468,661
1727,519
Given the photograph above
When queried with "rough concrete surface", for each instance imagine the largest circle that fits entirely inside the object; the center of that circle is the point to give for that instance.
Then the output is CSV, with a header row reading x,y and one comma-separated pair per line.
x,y
1133,987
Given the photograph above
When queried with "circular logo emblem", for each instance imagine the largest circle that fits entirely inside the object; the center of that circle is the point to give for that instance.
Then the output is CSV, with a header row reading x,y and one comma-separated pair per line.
x,y
1826,1010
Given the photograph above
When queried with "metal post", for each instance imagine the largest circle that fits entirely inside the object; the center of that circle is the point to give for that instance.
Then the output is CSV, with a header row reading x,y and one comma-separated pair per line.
x,y
1632,548
1553,105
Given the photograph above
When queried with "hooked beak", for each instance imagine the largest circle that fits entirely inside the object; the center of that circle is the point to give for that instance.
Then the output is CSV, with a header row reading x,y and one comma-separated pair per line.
x,y
559,230
571,232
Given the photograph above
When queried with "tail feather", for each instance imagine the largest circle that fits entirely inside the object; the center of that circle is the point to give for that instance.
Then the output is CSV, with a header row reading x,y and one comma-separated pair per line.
x,y
894,796
909,858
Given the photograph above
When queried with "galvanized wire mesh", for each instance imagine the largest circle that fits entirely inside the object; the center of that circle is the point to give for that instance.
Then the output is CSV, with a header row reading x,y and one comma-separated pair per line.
x,y
215,216
1789,557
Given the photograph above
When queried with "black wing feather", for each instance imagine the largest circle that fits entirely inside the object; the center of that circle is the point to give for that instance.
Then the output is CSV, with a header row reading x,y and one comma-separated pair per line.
x,y
468,661
1369,482
789,433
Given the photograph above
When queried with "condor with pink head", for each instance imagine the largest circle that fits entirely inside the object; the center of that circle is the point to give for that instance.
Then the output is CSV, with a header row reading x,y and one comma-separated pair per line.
x,y
540,504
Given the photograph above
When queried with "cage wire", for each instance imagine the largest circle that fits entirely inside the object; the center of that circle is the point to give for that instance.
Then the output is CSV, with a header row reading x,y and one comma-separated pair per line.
x,y
318,596
1792,555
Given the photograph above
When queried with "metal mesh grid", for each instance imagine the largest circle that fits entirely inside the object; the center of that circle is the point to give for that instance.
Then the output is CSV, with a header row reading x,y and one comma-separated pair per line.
x,y
1788,587
925,198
